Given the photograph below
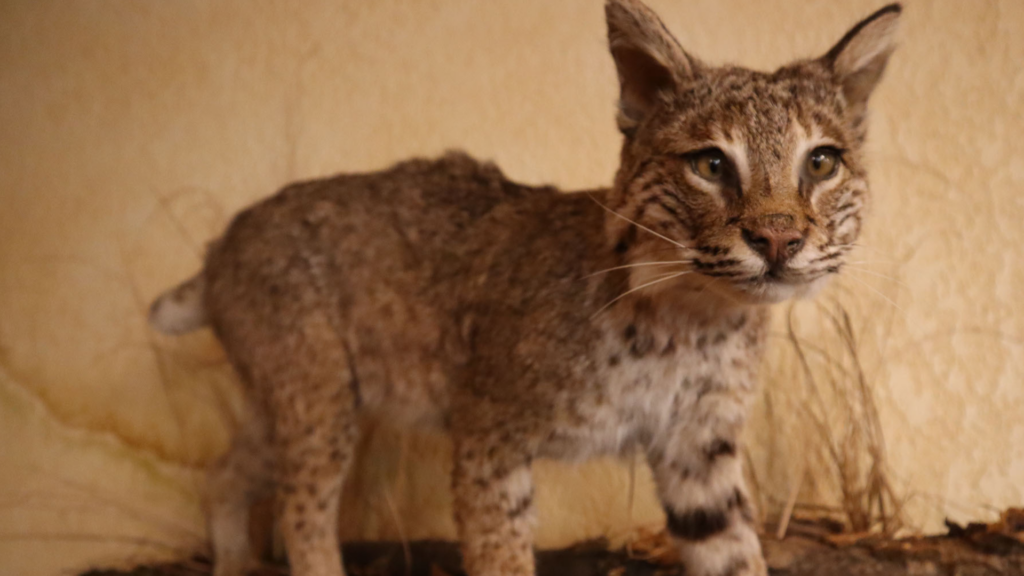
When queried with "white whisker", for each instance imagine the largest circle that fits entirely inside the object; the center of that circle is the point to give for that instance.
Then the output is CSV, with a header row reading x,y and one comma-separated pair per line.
x,y
876,291
662,278
659,263
880,275
869,262
637,224
852,245
709,282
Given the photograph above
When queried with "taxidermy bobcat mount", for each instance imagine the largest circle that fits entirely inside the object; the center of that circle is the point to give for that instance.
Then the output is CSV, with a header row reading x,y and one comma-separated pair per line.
x,y
534,323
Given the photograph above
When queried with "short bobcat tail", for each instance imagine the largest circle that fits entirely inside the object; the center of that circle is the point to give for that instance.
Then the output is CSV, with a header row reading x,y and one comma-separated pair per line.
x,y
181,309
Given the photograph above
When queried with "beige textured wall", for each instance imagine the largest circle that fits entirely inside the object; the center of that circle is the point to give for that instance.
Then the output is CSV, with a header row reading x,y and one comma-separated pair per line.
x,y
130,130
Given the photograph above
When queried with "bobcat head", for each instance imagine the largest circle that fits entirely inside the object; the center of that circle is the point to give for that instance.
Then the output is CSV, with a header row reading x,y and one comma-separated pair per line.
x,y
757,178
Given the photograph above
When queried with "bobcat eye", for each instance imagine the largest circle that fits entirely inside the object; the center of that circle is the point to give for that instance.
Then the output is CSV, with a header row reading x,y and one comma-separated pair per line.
x,y
822,163
709,164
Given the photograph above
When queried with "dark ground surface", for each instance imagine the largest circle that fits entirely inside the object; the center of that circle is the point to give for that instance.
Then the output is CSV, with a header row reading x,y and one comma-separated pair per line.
x,y
977,550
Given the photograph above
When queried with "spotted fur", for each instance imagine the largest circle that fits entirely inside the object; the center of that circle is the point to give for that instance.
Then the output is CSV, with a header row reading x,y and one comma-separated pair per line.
x,y
532,323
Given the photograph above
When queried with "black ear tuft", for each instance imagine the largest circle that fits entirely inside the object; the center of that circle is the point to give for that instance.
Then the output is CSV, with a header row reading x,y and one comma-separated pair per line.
x,y
860,57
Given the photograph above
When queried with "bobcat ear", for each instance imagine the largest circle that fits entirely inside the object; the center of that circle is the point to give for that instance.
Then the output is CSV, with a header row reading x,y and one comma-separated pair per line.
x,y
649,60
859,59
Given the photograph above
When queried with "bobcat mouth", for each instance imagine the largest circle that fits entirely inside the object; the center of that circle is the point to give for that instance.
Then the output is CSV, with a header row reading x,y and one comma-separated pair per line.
x,y
778,285
779,277
744,281
721,270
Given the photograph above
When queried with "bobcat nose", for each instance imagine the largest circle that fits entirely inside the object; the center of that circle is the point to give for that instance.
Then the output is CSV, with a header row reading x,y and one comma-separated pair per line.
x,y
775,244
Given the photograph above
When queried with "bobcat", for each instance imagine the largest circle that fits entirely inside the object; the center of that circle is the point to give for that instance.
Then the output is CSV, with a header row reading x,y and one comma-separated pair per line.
x,y
534,323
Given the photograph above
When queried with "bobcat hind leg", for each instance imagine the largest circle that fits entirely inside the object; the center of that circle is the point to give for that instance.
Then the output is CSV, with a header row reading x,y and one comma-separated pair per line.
x,y
233,483
313,386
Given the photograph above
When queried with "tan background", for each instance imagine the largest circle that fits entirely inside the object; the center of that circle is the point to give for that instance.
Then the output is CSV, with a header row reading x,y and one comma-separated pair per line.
x,y
130,131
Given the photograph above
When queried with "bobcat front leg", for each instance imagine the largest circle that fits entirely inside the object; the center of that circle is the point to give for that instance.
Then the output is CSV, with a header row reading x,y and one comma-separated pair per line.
x,y
493,491
700,483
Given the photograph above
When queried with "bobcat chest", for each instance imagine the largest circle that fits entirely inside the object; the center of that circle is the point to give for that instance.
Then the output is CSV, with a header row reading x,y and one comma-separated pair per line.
x,y
649,379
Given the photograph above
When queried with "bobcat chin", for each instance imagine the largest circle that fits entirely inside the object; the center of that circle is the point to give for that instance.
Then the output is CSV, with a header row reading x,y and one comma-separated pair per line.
x,y
535,323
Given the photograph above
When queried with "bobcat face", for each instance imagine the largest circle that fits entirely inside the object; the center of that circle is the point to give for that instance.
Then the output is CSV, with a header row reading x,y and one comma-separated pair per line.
x,y
758,174
755,177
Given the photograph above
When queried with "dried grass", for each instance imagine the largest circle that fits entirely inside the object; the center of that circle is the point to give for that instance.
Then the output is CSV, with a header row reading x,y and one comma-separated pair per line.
x,y
846,454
